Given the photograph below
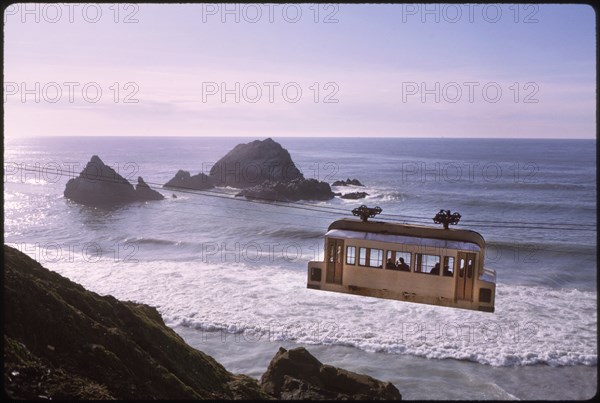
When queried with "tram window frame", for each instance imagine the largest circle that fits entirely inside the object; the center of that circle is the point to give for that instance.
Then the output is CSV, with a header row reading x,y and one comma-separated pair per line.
x,y
351,255
362,260
450,266
395,255
372,260
419,263
462,264
470,268
331,252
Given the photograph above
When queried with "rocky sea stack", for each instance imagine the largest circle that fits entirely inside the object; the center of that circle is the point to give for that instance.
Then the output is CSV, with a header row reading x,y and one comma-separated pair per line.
x,y
143,191
99,185
64,342
251,164
265,171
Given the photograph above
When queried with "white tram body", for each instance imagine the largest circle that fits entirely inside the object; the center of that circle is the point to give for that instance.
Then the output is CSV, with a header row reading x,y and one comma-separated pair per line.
x,y
365,258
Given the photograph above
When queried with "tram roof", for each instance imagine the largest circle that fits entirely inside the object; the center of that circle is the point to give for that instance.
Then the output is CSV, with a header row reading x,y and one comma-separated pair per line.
x,y
400,233
403,240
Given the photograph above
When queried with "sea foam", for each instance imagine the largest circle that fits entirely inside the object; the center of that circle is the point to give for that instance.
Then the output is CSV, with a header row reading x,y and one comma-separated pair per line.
x,y
531,325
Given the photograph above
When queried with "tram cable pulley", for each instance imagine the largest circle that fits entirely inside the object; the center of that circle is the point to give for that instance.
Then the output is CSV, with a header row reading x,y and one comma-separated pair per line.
x,y
365,212
446,217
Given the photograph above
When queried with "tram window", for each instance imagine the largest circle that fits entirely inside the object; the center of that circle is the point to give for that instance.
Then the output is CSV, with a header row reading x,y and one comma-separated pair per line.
x,y
398,260
362,256
470,268
351,255
461,267
331,251
376,258
448,266
403,256
429,264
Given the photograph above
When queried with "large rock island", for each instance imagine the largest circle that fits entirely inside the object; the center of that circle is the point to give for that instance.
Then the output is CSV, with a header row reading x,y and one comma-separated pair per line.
x,y
64,342
253,163
99,185
264,170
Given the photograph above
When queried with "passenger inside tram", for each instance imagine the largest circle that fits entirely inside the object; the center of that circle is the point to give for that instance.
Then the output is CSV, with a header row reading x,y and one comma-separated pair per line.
x,y
390,264
435,270
400,265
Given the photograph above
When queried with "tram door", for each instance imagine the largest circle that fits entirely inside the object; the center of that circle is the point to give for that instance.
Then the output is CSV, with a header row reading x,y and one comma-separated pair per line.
x,y
335,260
465,276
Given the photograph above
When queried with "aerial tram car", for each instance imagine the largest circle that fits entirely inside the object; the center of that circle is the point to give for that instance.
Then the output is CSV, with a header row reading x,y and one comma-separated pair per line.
x,y
414,263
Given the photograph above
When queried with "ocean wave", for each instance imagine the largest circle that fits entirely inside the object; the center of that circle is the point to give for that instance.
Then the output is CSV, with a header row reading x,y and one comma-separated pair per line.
x,y
374,194
534,186
553,247
535,205
392,196
512,337
288,233
156,241
532,324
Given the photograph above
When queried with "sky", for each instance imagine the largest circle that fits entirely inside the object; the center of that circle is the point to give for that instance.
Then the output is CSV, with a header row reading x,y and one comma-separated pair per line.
x,y
261,70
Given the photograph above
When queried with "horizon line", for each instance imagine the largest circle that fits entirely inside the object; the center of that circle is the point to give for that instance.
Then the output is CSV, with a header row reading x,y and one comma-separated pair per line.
x,y
307,137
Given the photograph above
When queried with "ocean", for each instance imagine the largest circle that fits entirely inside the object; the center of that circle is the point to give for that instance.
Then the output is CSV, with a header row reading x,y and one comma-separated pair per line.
x,y
229,275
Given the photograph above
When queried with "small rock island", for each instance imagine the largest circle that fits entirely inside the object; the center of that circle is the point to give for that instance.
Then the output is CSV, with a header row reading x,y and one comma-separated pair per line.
x,y
354,195
347,182
183,180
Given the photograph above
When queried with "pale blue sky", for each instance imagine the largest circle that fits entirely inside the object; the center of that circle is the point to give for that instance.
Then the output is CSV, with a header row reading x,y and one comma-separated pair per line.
x,y
377,59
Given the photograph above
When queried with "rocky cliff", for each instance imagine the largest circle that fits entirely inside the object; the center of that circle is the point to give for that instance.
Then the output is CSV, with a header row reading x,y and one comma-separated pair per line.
x,y
64,342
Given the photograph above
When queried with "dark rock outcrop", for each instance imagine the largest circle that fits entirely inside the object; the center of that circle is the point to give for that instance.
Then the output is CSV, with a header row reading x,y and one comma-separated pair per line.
x,y
184,181
62,341
297,375
297,189
144,192
251,164
99,185
354,195
265,171
347,182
